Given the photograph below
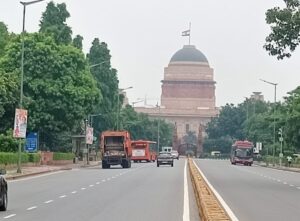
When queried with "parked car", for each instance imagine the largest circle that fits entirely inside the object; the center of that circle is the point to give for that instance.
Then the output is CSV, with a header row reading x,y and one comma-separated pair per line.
x,y
165,158
3,191
175,154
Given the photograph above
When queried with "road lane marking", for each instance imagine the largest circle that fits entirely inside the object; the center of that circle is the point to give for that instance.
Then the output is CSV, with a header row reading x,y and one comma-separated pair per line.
x,y
186,206
31,208
278,180
49,201
91,185
108,179
285,183
98,183
74,192
62,196
298,187
103,180
291,185
83,188
9,216
35,177
223,203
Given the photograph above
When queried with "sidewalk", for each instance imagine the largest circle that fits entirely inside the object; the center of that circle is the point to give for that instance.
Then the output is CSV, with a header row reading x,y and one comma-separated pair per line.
x,y
41,169
277,167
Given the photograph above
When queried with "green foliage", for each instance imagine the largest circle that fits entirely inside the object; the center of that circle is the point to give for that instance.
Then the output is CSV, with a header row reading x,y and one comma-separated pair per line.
x,y
53,23
141,127
77,42
285,29
59,90
4,37
63,156
12,158
8,143
107,82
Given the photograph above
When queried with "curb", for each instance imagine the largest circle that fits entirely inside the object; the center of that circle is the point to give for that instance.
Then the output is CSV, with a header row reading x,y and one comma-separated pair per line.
x,y
278,168
210,208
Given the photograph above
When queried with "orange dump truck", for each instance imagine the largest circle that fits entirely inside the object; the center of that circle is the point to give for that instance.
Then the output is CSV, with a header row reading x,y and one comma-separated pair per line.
x,y
143,150
116,149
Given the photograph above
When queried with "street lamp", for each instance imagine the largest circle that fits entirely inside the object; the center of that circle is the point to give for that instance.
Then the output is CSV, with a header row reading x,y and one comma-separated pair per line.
x,y
280,132
274,126
120,90
22,73
136,102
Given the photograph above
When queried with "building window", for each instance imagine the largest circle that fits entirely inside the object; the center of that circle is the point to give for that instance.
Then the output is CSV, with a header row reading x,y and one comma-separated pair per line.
x,y
187,128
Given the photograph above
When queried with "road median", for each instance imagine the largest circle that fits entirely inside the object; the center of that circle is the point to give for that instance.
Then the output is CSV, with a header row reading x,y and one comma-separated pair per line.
x,y
210,209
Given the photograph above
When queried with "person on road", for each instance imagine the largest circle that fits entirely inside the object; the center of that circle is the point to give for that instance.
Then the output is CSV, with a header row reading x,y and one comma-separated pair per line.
x,y
289,159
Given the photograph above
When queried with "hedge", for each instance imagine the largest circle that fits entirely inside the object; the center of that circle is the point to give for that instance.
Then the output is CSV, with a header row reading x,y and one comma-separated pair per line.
x,y
63,156
12,158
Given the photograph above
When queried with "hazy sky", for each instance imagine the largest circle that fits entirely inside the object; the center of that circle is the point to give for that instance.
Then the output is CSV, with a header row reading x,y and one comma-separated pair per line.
x,y
143,35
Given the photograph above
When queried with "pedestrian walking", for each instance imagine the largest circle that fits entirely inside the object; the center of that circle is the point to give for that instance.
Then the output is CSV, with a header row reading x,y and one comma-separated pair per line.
x,y
289,159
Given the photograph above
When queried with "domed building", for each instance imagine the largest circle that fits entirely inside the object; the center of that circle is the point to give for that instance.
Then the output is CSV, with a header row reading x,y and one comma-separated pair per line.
x,y
188,94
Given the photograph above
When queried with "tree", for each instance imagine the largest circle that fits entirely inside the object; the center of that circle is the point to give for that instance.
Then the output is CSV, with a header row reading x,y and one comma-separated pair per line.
x,y
59,90
77,42
53,22
4,37
285,29
107,82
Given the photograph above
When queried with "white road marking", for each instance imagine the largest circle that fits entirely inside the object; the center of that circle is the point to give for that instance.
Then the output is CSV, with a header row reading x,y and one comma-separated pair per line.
x,y
74,192
291,185
103,180
298,187
31,208
63,196
186,206
9,216
35,177
224,204
91,185
108,179
278,180
98,183
49,201
113,177
83,188
285,183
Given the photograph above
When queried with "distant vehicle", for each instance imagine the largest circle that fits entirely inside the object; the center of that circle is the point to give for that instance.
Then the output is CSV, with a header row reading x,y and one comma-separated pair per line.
x,y
175,154
116,149
167,149
165,158
215,153
242,153
143,150
3,192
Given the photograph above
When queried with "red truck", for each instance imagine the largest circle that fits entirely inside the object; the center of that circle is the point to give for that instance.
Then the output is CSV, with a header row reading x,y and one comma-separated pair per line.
x,y
115,149
143,150
242,153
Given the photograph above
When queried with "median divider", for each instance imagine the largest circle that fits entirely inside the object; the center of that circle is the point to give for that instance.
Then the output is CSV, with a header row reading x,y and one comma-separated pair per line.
x,y
210,209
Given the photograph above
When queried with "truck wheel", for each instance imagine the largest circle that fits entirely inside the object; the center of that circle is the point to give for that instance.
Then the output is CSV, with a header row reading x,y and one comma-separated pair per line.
x,y
104,165
129,163
172,165
157,165
3,207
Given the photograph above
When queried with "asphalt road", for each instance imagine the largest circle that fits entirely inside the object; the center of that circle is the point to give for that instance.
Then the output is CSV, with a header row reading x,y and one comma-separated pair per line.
x,y
255,193
143,192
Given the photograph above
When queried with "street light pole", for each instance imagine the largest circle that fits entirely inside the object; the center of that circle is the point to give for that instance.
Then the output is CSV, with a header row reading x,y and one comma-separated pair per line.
x,y
22,74
120,90
158,128
274,126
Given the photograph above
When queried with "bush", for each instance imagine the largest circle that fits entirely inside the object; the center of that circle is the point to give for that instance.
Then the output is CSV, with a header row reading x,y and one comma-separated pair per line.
x,y
63,156
12,158
8,143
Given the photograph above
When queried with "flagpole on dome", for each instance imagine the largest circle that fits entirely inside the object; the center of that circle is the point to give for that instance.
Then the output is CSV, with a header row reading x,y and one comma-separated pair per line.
x,y
187,33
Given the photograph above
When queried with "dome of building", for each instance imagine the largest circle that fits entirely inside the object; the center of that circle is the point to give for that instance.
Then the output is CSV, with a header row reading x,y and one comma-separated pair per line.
x,y
189,53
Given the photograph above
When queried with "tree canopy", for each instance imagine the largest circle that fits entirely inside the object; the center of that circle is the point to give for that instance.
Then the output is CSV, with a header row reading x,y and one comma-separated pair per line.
x,y
285,29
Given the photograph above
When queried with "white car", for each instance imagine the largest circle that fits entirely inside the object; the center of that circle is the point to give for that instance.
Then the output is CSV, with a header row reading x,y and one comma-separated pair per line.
x,y
175,154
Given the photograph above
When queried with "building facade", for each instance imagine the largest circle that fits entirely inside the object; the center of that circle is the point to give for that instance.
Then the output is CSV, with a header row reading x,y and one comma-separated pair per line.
x,y
188,93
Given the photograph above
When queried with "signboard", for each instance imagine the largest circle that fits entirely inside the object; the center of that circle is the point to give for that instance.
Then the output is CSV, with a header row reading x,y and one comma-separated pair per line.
x,y
20,124
31,142
89,135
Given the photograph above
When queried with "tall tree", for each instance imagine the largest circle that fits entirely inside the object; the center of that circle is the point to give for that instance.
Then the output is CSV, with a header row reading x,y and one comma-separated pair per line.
x,y
59,90
3,37
77,42
285,29
107,81
54,22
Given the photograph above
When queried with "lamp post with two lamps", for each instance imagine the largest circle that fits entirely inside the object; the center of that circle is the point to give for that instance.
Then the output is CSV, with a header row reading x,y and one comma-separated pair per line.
x,y
274,125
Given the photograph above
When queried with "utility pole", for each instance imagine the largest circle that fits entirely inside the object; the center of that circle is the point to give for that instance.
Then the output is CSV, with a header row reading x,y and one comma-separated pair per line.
x,y
158,127
280,132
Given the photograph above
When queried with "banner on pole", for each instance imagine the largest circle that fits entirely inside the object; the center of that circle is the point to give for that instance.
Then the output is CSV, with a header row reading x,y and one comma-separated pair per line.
x,y
89,135
20,124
